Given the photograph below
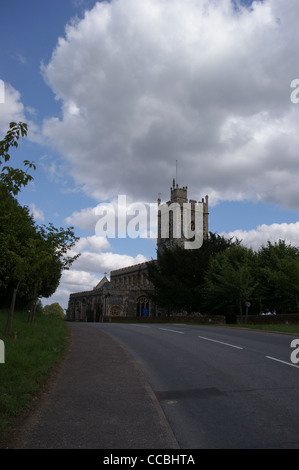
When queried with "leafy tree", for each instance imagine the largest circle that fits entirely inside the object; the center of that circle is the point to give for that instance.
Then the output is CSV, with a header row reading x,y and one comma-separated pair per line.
x,y
49,258
42,264
13,268
178,274
31,258
230,280
175,284
278,276
16,228
54,310
14,178
16,225
62,241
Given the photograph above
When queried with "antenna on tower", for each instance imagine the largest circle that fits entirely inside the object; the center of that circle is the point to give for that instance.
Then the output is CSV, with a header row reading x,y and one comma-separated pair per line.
x,y
176,171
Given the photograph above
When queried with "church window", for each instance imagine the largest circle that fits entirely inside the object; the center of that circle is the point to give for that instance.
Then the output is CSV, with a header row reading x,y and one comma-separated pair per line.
x,y
115,311
143,307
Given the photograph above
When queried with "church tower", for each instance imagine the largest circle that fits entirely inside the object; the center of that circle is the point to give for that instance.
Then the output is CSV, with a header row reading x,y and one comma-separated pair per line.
x,y
171,215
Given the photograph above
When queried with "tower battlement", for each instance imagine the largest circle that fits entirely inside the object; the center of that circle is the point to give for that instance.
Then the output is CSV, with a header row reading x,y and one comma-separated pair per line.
x,y
178,194
179,197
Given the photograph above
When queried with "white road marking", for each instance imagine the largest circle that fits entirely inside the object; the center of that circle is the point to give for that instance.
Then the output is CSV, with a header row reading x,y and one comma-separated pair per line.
x,y
141,326
220,342
283,362
173,331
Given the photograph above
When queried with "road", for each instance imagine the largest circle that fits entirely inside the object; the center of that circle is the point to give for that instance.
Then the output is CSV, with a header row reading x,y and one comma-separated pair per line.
x,y
220,388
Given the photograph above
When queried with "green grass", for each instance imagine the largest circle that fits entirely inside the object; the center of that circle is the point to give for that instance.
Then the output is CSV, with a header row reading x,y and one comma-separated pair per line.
x,y
280,328
29,361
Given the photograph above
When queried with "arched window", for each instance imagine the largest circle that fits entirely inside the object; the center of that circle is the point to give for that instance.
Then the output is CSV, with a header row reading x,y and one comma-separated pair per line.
x,y
143,305
115,311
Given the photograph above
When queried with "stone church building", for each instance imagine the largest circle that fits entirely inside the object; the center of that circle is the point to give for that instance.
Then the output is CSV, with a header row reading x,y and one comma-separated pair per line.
x,y
128,293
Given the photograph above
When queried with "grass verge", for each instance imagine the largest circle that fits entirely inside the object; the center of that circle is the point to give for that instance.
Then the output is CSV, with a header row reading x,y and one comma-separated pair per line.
x,y
30,357
279,328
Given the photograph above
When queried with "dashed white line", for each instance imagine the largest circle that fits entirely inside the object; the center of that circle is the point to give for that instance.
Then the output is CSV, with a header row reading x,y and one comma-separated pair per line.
x,y
173,331
220,342
140,326
283,362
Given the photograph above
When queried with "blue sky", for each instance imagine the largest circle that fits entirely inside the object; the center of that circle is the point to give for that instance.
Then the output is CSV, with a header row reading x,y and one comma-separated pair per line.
x,y
115,93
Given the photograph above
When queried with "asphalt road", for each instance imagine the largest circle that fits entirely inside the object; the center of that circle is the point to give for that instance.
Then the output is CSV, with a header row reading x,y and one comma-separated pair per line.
x,y
97,399
220,388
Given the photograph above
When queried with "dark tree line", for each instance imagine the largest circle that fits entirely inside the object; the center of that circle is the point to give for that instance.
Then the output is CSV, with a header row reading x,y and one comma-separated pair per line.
x,y
32,257
221,276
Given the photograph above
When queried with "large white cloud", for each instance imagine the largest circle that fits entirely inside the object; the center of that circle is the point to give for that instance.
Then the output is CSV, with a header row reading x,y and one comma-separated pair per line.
x,y
13,110
11,107
94,257
145,83
86,272
255,238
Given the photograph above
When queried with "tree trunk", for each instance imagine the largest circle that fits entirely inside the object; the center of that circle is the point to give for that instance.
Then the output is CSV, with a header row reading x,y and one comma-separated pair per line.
x,y
241,311
8,327
33,304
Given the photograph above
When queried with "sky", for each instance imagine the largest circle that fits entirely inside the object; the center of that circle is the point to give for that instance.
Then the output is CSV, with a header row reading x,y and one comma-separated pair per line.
x,y
122,96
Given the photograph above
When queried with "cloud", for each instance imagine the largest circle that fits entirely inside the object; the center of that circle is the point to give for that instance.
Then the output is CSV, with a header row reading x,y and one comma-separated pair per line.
x,y
94,244
21,58
37,213
263,233
94,257
75,280
86,272
72,281
119,218
85,219
101,262
143,84
11,109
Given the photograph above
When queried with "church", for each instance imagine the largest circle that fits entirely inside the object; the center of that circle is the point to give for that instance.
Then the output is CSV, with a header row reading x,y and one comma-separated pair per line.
x,y
129,291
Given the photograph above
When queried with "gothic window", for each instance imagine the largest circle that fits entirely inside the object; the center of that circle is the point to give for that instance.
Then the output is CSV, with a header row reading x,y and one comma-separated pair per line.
x,y
143,307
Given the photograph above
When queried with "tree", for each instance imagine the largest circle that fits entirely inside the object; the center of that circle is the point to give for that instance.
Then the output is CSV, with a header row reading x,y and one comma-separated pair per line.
x,y
178,274
49,258
54,310
62,241
278,275
11,181
230,280
174,280
16,228
16,225
42,263
14,178
31,258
